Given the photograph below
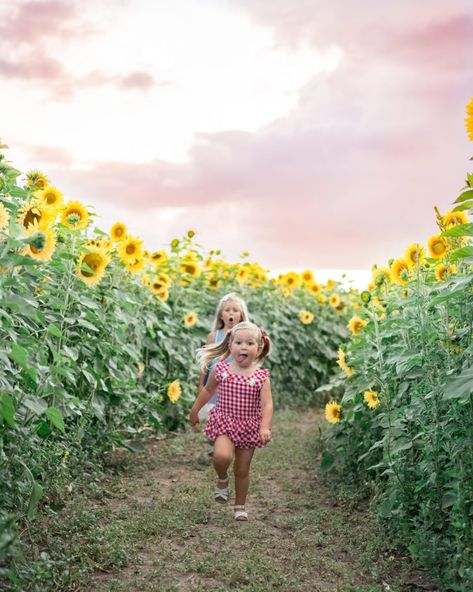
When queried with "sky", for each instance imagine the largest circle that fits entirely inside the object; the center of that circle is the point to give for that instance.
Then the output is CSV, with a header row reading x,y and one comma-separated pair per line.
x,y
312,134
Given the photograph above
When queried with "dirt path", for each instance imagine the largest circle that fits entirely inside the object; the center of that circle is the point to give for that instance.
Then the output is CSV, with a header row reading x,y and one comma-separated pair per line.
x,y
161,530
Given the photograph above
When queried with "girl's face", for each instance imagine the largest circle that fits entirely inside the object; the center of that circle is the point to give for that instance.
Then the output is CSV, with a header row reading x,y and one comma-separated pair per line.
x,y
244,347
231,314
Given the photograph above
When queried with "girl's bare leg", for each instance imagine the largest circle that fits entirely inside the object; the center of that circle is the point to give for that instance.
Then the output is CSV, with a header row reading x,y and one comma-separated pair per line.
x,y
222,457
241,469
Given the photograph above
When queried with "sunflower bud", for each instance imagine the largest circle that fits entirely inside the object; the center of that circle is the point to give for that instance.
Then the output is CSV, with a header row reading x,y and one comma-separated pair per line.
x,y
37,240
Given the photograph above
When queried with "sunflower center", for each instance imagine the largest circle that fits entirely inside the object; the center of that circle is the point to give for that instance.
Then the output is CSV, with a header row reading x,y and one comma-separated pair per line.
x,y
130,249
32,215
438,248
118,231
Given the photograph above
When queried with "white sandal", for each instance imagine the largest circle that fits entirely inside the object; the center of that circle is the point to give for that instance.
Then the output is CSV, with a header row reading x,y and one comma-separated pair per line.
x,y
221,493
240,513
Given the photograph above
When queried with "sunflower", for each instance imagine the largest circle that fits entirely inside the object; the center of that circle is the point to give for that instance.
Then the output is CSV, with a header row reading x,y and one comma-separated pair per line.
x,y
36,179
118,232
365,296
146,279
91,266
356,325
191,267
343,364
175,244
314,288
174,391
190,319
381,276
43,241
74,215
191,233
452,218
130,249
50,197
469,119
333,412
330,285
307,276
162,295
214,282
158,257
322,298
157,286
371,398
437,246
306,317
400,271
135,266
414,255
31,213
441,272
291,280
242,275
4,216
335,300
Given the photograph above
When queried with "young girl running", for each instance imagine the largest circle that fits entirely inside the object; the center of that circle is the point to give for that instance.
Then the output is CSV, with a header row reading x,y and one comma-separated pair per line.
x,y
242,416
230,310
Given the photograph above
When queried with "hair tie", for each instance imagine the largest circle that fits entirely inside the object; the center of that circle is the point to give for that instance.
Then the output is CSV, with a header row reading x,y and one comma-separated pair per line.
x,y
264,336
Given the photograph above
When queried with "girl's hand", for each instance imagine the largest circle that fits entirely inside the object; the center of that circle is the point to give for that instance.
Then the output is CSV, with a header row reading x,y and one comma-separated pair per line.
x,y
193,417
265,434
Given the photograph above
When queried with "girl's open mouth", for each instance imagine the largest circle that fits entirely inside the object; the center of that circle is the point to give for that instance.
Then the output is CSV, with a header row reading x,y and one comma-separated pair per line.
x,y
241,358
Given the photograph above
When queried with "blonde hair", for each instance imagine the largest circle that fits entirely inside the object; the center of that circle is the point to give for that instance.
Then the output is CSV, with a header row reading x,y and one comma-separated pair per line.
x,y
221,350
231,297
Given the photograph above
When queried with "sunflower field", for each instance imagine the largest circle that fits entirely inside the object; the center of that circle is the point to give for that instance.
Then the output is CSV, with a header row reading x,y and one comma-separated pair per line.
x,y
404,426
98,338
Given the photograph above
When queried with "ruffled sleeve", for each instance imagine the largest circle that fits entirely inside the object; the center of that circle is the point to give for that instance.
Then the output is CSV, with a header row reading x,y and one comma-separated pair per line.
x,y
262,376
219,369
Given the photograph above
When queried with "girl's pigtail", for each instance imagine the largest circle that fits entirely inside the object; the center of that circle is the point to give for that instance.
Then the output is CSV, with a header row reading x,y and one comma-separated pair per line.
x,y
266,349
208,353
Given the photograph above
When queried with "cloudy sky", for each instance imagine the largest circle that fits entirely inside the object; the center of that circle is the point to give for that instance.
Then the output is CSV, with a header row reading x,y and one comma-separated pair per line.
x,y
311,133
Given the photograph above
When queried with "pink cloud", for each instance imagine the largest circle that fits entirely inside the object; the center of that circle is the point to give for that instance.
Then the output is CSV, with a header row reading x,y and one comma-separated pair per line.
x,y
30,23
351,175
24,35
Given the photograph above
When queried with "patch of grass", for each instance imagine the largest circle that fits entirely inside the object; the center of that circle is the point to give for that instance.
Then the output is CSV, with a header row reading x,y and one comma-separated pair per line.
x,y
151,524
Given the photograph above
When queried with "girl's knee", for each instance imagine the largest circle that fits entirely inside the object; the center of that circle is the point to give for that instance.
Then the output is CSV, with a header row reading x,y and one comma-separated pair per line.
x,y
222,457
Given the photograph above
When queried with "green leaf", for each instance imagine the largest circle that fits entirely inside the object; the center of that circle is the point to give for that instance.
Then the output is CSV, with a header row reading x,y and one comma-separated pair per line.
x,y
54,330
400,444
55,416
460,230
460,387
18,355
461,253
7,410
464,196
327,461
448,499
35,404
44,429
466,205
36,494
448,296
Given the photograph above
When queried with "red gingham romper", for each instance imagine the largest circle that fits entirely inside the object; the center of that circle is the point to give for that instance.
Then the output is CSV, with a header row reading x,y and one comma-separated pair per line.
x,y
237,413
